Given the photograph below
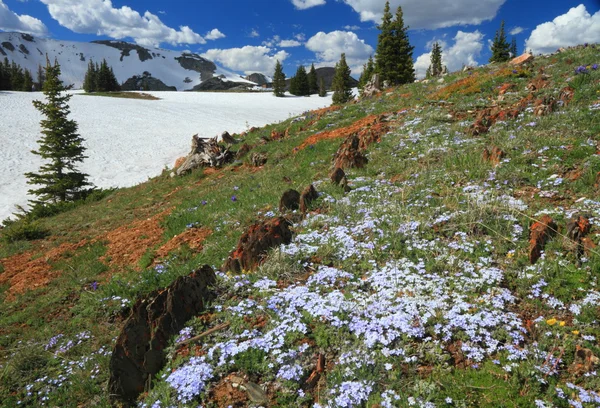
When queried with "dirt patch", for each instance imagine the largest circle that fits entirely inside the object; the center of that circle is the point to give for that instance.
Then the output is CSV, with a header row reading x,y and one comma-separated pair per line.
x,y
372,125
321,112
24,272
540,233
192,237
127,244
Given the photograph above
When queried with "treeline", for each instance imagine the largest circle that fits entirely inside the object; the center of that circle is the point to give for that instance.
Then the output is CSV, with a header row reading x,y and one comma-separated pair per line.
x,y
100,78
15,78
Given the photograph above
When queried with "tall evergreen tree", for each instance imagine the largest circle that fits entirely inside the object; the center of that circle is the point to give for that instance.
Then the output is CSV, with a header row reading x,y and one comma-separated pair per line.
x,y
40,77
435,69
367,74
500,47
5,82
27,81
60,145
394,53
293,86
513,47
279,80
301,87
313,83
322,87
16,77
342,90
90,79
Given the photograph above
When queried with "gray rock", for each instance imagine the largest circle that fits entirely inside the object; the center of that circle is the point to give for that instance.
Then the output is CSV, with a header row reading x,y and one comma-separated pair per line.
x,y
145,83
126,48
196,63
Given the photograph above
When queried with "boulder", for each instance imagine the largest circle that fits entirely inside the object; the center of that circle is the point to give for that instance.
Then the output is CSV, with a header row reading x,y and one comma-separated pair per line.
x,y
139,351
145,83
205,153
522,59
254,244
290,201
309,194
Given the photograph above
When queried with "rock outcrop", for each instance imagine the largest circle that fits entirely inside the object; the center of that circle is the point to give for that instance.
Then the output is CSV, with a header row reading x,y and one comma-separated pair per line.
x,y
139,352
143,53
258,79
254,244
219,84
196,63
146,83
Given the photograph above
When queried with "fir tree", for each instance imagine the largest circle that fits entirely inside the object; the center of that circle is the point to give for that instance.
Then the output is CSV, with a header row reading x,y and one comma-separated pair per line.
x,y
16,77
500,47
301,87
342,91
394,53
322,87
104,80
27,81
90,79
435,69
367,74
60,145
513,47
279,80
313,83
5,83
40,77
293,86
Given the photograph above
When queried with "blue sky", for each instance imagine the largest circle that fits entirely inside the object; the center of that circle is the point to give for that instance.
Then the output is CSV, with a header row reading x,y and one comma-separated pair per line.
x,y
249,36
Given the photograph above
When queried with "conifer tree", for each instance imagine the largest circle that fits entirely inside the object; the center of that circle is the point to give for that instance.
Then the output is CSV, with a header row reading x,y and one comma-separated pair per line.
x,y
384,58
394,53
5,82
405,66
500,47
279,80
40,77
60,145
16,77
300,80
342,90
513,47
293,86
322,87
27,81
313,84
367,74
90,79
435,69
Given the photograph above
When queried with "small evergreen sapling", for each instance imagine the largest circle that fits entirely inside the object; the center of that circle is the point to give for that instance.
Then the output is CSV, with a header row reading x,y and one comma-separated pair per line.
x,y
60,145
322,88
313,84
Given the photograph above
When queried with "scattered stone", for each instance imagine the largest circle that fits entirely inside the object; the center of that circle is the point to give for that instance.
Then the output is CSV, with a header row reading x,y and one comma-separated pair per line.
x,y
139,351
258,159
309,194
372,87
584,361
256,394
566,95
205,153
254,244
349,154
494,155
539,234
290,201
523,59
227,138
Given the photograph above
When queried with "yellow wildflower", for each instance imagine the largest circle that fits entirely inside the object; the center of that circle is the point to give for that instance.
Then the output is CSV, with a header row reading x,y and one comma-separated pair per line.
x,y
551,322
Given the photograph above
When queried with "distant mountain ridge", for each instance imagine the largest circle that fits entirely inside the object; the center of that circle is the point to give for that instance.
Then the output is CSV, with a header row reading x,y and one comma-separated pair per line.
x,y
181,70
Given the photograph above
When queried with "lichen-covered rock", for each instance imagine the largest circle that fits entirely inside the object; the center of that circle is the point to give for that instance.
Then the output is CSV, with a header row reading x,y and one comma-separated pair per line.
x,y
139,352
254,244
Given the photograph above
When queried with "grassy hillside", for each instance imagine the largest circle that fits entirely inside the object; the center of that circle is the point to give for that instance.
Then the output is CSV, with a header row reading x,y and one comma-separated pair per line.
x,y
416,288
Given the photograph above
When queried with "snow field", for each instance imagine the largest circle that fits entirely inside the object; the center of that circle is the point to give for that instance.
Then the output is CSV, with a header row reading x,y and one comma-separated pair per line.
x,y
130,140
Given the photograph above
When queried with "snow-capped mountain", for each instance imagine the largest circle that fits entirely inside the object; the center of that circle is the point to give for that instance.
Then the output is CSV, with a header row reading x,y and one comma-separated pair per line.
x,y
182,70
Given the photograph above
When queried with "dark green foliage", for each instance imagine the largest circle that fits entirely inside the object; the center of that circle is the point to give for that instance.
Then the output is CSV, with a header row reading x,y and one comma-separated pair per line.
x,y
279,80
60,145
27,81
367,74
322,88
17,77
313,84
299,85
435,69
41,77
500,47
100,78
513,47
23,231
394,53
342,91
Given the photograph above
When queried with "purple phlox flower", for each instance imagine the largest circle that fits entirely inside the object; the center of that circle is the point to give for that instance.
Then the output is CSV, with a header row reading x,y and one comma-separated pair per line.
x,y
595,67
204,202
94,285
233,198
514,71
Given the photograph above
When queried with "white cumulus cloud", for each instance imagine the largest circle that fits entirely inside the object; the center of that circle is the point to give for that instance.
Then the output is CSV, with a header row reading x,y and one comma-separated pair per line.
x,y
430,14
248,59
575,27
289,43
101,18
306,4
516,30
466,49
214,34
329,47
11,21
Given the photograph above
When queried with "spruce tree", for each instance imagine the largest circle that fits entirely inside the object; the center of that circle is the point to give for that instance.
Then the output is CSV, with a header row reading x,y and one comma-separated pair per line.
x,y
40,77
27,81
5,83
322,87
279,80
367,74
384,58
513,47
435,69
293,86
313,83
404,64
342,91
16,77
60,145
500,47
89,81
300,80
